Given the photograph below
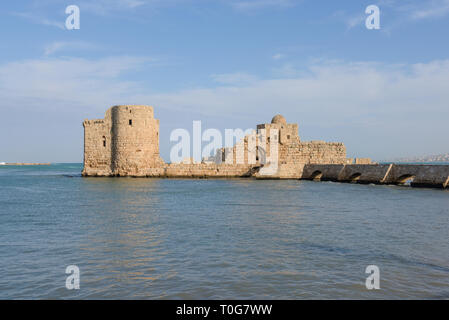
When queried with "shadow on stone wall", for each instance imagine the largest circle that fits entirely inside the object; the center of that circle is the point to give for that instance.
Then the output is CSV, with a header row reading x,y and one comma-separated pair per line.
x,y
415,175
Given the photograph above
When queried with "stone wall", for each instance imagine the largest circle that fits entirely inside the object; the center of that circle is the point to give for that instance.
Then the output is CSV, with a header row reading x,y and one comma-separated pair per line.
x,y
436,176
125,142
321,152
365,173
97,147
421,175
287,158
362,161
321,172
204,170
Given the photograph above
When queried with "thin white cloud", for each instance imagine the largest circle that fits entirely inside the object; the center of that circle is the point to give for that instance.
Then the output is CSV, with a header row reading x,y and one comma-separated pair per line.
x,y
38,19
238,78
432,9
354,21
108,7
250,5
38,9
350,20
339,81
377,109
286,70
278,56
131,3
53,83
59,46
413,11
103,7
400,12
350,87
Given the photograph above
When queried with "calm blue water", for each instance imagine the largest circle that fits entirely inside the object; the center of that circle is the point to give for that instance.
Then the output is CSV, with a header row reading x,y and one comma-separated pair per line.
x,y
139,238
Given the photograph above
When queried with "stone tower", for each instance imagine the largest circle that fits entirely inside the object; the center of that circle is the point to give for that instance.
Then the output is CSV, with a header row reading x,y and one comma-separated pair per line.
x,y
125,142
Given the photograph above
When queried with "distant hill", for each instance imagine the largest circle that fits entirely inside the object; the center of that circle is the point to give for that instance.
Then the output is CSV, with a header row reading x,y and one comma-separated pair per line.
x,y
434,158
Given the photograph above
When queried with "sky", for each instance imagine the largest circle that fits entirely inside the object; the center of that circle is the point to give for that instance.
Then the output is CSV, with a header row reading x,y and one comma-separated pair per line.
x,y
231,64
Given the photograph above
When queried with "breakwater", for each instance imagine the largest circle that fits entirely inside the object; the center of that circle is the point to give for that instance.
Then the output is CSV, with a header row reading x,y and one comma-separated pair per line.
x,y
416,175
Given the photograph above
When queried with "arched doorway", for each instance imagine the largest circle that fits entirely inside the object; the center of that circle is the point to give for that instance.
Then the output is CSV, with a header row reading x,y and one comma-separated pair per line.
x,y
405,180
316,175
355,177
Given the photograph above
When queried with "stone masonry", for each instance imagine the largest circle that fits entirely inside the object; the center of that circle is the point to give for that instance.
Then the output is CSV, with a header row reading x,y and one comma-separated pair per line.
x,y
126,143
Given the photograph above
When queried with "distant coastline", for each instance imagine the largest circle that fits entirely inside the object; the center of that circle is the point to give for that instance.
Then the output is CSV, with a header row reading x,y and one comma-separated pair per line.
x,y
24,164
440,158
416,162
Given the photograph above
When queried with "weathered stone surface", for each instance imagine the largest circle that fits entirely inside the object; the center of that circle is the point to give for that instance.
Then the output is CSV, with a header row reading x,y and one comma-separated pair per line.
x,y
126,143
419,175
364,173
322,172
363,161
436,176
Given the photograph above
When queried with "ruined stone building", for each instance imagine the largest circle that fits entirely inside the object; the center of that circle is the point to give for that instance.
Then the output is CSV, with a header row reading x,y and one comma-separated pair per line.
x,y
291,153
123,143
126,143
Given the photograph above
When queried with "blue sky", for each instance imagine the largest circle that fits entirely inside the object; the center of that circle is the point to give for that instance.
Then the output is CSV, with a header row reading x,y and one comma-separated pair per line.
x,y
231,64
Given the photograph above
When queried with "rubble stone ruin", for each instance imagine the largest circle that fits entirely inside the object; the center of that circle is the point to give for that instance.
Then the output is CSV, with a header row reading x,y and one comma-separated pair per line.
x,y
126,143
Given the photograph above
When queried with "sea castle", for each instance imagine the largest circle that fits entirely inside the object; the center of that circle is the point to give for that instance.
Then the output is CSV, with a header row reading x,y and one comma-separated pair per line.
x,y
126,143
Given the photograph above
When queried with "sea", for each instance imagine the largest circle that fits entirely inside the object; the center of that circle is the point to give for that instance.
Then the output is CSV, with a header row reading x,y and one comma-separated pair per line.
x,y
147,238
